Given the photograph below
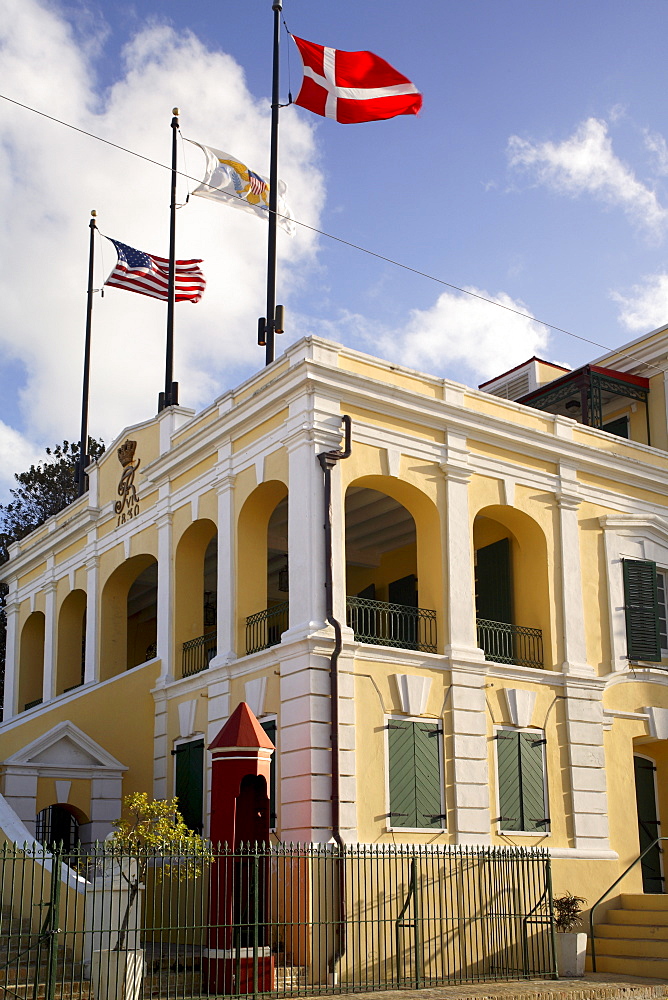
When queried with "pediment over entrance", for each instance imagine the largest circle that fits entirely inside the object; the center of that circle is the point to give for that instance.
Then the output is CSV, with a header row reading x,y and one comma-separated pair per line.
x,y
65,747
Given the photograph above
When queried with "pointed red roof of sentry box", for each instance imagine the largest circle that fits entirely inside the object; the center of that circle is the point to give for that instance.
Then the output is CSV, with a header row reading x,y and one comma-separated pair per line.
x,y
242,730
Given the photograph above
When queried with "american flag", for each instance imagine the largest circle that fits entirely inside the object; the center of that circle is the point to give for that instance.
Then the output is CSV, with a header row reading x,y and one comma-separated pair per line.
x,y
141,272
257,185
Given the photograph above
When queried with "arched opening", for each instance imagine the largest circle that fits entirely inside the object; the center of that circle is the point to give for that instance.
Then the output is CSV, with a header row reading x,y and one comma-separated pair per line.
x,y
511,587
196,593
129,616
262,560
392,564
31,662
59,825
71,659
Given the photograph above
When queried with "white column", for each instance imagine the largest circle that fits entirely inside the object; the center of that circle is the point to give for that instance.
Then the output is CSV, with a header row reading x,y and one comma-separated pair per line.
x,y
584,728
12,649
459,556
165,643
470,751
572,607
92,666
226,599
50,633
306,748
306,536
219,711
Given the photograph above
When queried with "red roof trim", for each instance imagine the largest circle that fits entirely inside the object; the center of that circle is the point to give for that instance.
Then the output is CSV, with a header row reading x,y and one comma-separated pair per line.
x,y
638,380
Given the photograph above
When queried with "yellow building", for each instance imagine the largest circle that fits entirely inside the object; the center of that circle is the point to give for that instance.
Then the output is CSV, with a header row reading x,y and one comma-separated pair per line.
x,y
498,569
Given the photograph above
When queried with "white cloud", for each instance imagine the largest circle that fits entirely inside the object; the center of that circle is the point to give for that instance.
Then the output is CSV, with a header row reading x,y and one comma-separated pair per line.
x,y
646,307
16,455
585,163
459,337
656,144
50,178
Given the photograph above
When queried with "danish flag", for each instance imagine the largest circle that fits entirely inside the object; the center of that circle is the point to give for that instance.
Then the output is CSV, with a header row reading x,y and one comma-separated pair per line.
x,y
353,87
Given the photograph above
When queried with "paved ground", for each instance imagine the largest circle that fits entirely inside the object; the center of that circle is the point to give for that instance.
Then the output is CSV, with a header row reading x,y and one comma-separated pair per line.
x,y
592,986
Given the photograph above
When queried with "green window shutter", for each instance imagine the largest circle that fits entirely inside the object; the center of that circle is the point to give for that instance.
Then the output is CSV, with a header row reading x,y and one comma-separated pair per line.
x,y
534,816
494,591
270,729
641,607
427,736
414,774
508,767
403,806
189,785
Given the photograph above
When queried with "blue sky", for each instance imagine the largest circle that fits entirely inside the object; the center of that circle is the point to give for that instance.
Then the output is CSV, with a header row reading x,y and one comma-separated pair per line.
x,y
535,175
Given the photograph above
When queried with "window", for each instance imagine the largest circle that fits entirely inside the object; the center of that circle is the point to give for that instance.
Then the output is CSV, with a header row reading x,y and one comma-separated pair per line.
x,y
415,784
620,427
644,608
189,783
269,726
521,780
661,591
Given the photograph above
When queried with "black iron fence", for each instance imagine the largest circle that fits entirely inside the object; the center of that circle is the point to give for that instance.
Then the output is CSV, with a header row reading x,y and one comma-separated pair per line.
x,y
265,628
279,920
388,624
504,643
198,653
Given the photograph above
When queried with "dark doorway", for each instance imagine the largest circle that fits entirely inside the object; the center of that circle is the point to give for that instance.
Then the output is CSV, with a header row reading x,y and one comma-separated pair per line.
x,y
648,823
56,825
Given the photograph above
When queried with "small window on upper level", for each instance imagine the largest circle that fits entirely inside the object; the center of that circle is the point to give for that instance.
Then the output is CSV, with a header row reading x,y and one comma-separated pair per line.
x,y
620,427
661,594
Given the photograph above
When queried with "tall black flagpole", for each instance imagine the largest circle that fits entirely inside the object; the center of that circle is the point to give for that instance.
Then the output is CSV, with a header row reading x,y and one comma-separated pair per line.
x,y
83,440
170,397
268,326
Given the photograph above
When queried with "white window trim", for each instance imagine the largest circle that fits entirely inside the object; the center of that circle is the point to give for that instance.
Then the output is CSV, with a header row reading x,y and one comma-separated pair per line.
x,y
497,796
389,828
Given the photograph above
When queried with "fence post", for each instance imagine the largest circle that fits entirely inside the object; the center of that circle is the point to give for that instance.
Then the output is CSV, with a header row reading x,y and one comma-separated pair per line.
x,y
256,916
54,919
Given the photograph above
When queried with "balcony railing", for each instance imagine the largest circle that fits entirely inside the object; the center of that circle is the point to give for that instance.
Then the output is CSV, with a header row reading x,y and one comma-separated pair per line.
x,y
265,628
387,624
516,644
198,653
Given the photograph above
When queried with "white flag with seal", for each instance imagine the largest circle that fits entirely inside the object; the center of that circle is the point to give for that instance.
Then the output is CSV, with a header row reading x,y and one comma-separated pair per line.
x,y
230,181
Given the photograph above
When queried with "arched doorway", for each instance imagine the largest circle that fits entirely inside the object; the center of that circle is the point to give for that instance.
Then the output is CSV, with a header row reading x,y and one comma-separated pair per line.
x,y
129,616
58,825
389,571
196,597
263,574
71,660
31,662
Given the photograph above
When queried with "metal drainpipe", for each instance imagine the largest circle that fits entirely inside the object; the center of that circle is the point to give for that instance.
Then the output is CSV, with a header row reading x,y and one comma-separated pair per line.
x,y
328,460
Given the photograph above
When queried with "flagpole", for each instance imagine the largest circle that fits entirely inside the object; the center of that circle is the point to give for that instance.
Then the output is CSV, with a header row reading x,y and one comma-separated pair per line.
x,y
270,319
83,440
170,397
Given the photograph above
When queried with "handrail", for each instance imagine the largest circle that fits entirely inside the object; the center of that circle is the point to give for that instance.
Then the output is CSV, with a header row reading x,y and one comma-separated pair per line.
x,y
608,891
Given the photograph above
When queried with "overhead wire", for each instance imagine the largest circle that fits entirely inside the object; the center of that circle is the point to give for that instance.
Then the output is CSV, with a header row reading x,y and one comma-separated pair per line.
x,y
348,243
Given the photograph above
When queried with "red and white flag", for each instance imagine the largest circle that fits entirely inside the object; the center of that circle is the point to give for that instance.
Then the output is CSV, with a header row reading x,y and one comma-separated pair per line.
x,y
353,87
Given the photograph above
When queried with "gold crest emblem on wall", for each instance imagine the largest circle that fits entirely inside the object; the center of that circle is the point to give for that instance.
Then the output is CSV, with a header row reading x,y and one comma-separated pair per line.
x,y
128,505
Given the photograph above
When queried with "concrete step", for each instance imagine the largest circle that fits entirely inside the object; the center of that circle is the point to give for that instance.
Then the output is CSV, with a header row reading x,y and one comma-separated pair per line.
x,y
647,931
644,901
640,947
652,918
629,965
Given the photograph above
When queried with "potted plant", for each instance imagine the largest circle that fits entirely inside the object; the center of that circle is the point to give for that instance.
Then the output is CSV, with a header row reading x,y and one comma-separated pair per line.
x,y
151,833
571,945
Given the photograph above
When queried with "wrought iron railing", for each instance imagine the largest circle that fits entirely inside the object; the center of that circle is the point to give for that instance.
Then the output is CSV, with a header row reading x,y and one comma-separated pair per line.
x,y
32,704
504,643
198,653
265,628
278,920
387,624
